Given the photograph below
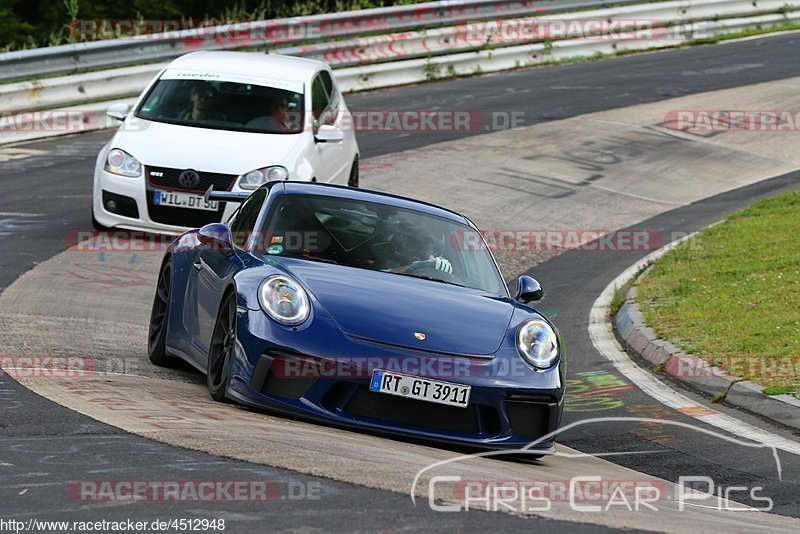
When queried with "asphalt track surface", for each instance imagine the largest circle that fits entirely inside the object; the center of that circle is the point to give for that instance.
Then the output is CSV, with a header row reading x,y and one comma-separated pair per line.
x,y
53,445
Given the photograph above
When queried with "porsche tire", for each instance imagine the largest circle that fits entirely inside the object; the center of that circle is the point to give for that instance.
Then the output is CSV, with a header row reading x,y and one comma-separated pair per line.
x,y
220,354
159,317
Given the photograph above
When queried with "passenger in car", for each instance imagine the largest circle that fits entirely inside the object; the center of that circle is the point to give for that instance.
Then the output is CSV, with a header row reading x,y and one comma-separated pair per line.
x,y
280,115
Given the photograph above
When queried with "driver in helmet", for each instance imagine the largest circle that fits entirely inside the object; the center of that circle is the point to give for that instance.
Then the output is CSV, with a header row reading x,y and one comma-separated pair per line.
x,y
416,253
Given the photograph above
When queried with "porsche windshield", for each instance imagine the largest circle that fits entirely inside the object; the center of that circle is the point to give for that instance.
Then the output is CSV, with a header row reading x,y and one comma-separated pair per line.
x,y
379,237
222,105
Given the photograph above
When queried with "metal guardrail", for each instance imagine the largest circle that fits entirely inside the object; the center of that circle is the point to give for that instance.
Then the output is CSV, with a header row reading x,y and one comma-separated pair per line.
x,y
82,57
88,95
465,37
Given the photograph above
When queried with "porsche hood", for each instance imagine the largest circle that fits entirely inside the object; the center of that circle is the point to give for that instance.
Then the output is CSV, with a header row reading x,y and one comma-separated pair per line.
x,y
399,310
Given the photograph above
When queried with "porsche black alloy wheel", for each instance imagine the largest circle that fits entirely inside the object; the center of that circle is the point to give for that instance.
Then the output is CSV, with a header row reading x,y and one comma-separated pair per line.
x,y
157,336
223,343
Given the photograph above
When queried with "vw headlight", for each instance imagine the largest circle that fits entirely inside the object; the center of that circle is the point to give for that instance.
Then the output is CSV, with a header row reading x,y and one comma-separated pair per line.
x,y
284,300
120,162
537,343
255,179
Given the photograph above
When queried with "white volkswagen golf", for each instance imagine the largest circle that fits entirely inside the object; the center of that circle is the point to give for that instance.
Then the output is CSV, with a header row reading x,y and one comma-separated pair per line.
x,y
234,120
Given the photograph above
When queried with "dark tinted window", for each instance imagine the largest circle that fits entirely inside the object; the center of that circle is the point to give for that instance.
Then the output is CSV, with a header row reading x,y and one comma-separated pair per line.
x,y
333,100
379,237
224,106
244,220
319,97
327,81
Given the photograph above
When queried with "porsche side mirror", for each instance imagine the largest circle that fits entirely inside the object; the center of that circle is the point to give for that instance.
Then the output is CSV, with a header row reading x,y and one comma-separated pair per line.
x,y
327,133
118,111
216,237
528,289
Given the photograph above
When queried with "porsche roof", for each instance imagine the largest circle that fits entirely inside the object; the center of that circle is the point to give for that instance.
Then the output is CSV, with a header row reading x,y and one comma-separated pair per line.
x,y
340,191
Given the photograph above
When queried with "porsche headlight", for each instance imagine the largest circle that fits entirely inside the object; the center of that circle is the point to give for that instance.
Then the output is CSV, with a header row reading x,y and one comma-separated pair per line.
x,y
255,179
120,162
284,300
537,343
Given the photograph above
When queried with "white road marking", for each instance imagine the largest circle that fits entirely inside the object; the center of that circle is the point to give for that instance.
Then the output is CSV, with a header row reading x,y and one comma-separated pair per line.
x,y
580,454
602,336
19,214
639,197
7,154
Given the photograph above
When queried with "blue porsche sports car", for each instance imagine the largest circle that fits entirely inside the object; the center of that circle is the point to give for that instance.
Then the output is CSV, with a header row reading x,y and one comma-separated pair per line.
x,y
364,310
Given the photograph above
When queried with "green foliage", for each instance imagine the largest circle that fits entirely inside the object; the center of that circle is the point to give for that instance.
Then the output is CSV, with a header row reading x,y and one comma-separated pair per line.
x,y
73,7
431,69
37,23
781,390
617,300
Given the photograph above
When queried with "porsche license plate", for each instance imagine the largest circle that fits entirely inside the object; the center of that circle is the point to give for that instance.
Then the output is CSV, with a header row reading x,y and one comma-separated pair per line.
x,y
175,199
420,388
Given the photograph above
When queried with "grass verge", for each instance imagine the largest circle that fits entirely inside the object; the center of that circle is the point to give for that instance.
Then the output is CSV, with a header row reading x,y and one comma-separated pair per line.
x,y
732,294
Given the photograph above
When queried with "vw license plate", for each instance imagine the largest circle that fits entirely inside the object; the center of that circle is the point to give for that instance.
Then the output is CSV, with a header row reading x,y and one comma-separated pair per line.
x,y
174,199
420,388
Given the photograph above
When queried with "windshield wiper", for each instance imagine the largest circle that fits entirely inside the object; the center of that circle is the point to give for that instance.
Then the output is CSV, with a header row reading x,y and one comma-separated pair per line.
x,y
311,258
431,278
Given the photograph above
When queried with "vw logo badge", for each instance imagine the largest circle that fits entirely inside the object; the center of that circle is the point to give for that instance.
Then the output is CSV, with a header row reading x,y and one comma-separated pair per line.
x,y
189,179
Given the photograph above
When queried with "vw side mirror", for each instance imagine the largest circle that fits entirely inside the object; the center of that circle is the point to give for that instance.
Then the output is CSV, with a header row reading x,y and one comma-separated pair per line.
x,y
118,111
329,134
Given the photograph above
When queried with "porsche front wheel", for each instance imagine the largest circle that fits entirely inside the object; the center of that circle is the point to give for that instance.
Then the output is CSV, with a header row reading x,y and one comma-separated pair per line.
x,y
159,317
220,354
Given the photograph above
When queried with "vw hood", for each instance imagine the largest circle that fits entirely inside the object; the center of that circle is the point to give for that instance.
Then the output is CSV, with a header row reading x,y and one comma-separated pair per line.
x,y
203,149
